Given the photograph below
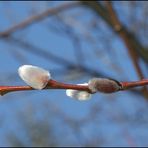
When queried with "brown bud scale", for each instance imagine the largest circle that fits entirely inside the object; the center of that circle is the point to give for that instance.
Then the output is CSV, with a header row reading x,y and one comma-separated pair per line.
x,y
104,85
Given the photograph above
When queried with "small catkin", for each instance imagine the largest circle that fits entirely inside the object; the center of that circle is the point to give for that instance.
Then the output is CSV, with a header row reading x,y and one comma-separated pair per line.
x,y
104,85
79,95
34,76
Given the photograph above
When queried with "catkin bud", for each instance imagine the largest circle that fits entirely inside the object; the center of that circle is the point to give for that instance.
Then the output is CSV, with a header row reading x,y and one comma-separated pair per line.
x,y
103,85
77,94
34,76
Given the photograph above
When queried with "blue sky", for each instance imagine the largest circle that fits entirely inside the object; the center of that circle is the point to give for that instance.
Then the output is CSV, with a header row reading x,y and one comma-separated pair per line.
x,y
49,104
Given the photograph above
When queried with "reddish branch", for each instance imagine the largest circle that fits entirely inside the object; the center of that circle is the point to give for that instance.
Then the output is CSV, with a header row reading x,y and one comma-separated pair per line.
x,y
120,29
128,85
52,84
110,16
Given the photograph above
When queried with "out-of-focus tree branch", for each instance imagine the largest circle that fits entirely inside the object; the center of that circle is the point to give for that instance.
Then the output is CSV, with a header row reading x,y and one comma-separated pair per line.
x,y
123,34
119,29
132,44
50,56
36,18
125,37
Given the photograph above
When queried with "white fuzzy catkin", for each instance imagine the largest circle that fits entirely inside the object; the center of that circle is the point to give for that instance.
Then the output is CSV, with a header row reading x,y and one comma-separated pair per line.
x,y
34,76
79,95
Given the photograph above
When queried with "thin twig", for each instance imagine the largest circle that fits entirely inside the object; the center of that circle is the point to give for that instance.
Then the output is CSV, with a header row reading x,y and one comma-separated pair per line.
x,y
127,85
52,84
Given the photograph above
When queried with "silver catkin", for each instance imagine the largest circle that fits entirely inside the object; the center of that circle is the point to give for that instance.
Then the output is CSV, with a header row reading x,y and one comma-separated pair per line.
x,y
103,85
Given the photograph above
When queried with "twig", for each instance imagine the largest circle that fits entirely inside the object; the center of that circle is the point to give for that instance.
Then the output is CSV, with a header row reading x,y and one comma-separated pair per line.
x,y
128,85
52,84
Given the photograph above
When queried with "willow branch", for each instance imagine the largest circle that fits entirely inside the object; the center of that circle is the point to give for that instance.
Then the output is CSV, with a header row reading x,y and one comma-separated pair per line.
x,y
53,84
128,85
